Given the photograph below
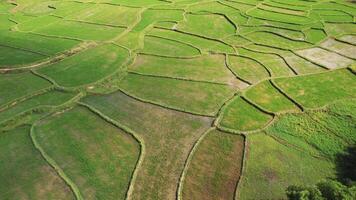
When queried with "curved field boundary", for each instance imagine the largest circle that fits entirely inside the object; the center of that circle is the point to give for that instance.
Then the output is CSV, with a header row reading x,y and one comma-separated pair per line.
x,y
54,165
24,98
242,169
280,90
180,184
332,51
130,132
227,65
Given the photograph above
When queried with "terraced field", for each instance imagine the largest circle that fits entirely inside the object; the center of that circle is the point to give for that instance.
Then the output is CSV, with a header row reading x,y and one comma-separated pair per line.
x,y
174,99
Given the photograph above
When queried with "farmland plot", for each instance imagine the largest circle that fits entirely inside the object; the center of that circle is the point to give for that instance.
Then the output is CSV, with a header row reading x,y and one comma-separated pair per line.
x,y
178,99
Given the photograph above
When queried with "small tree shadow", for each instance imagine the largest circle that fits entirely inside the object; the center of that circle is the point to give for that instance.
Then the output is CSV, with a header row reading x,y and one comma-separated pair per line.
x,y
346,166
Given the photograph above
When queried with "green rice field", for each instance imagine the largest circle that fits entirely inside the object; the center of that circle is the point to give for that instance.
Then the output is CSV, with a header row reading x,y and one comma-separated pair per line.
x,y
176,99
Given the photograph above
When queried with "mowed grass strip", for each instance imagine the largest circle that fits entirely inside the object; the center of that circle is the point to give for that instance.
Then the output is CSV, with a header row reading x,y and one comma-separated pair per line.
x,y
168,137
24,173
196,97
98,157
165,47
15,86
242,116
88,66
204,68
52,98
268,97
325,132
215,167
317,90
271,167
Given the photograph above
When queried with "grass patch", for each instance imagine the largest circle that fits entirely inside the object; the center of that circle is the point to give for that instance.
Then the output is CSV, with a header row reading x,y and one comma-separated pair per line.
x,y
98,157
11,57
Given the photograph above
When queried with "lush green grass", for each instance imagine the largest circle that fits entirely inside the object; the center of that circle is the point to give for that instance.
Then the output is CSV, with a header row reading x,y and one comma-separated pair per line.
x,y
52,98
98,157
197,97
214,175
15,86
242,116
88,66
326,132
272,166
24,172
313,91
168,137
204,68
268,97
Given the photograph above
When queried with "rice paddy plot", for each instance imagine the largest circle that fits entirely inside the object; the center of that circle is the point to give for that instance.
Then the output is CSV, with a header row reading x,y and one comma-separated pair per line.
x,y
218,23
107,15
272,166
286,35
267,96
191,96
204,68
14,86
173,132
98,157
325,133
203,44
274,40
169,48
239,115
24,173
48,99
301,65
325,58
314,91
54,26
274,63
247,69
351,39
215,167
151,16
36,43
314,35
339,29
340,47
12,57
88,66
